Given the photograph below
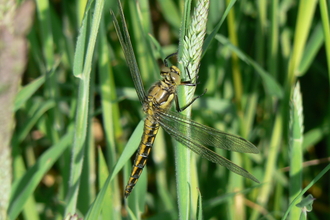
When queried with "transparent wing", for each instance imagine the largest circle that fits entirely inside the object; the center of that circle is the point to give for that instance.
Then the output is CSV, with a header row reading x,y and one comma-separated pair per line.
x,y
126,44
182,135
204,135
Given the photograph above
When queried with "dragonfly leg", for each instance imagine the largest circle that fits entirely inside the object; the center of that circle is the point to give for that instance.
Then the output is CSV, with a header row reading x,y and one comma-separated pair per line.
x,y
189,82
168,57
177,105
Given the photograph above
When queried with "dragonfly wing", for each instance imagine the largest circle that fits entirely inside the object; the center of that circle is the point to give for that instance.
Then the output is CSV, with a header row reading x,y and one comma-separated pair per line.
x,y
126,44
205,135
203,151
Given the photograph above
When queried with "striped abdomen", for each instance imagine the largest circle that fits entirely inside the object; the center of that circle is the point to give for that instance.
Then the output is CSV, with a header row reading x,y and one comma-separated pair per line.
x,y
150,131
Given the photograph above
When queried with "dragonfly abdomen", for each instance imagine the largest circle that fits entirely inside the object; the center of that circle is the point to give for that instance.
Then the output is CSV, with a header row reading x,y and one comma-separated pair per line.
x,y
150,130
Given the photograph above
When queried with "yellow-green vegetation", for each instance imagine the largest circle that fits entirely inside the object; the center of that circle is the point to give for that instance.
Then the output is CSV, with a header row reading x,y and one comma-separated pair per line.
x,y
266,68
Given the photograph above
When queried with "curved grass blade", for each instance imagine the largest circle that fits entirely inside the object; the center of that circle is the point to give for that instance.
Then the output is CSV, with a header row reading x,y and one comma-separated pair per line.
x,y
25,186
95,208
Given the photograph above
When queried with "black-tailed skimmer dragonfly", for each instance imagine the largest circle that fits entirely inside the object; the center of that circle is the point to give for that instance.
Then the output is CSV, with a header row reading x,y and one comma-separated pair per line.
x,y
156,104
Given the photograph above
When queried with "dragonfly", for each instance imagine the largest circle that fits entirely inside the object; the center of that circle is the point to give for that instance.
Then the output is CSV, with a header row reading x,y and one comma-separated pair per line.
x,y
156,105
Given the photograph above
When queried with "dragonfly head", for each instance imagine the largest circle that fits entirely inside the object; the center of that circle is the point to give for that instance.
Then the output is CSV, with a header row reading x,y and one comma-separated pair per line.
x,y
171,75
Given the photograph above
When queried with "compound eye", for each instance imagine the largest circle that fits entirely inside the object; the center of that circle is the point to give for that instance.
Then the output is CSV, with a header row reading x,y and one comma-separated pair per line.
x,y
172,70
165,71
176,77
175,70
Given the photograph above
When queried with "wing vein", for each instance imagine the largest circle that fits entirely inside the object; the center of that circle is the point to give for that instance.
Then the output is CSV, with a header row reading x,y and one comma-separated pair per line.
x,y
206,135
124,39
205,152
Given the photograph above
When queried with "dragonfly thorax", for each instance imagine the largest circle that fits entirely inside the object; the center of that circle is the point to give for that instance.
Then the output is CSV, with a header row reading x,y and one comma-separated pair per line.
x,y
160,96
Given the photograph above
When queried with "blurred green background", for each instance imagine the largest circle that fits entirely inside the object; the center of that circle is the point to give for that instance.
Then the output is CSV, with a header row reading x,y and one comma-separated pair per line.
x,y
77,109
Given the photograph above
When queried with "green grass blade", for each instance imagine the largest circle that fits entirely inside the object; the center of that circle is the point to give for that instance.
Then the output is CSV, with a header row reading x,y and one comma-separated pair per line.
x,y
303,25
200,207
211,36
26,92
110,205
43,10
190,52
82,113
324,8
313,46
23,188
42,108
270,84
80,55
182,155
319,176
129,150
